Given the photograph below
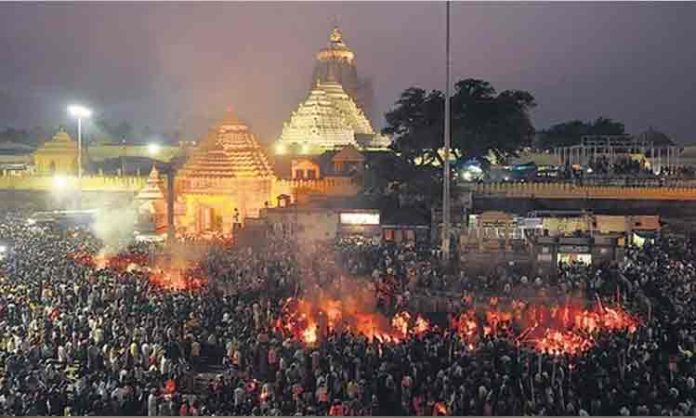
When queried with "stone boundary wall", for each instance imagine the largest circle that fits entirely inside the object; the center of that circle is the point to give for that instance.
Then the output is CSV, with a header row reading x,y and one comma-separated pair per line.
x,y
89,183
572,191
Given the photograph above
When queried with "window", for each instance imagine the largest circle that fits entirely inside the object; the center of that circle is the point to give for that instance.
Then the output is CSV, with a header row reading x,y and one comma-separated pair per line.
x,y
299,174
311,174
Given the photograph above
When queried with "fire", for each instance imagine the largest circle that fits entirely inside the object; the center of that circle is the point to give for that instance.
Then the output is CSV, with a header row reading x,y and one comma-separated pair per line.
x,y
400,322
559,330
309,335
422,326
562,342
440,409
307,321
175,276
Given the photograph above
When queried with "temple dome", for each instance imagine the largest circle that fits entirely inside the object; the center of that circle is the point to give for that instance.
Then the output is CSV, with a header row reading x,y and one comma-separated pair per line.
x,y
327,119
337,49
60,143
229,151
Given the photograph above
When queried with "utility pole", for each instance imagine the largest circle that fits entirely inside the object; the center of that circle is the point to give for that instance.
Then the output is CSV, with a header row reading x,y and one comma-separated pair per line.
x,y
170,203
446,166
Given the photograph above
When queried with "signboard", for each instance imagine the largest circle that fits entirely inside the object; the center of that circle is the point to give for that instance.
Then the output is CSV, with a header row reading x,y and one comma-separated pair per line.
x,y
359,218
576,249
530,223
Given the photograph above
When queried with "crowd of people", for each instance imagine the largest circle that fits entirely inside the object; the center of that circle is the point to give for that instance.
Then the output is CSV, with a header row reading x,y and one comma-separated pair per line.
x,y
77,339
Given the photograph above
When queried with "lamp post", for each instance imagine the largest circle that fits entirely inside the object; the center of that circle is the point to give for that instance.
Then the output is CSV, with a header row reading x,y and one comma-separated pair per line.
x,y
446,166
79,112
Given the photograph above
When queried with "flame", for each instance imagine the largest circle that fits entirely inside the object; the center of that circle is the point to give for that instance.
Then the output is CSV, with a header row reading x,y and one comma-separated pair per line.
x,y
309,335
304,320
565,329
440,409
557,342
176,277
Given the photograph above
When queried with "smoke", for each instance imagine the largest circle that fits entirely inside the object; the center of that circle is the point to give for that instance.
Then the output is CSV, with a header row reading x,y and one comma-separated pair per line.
x,y
115,228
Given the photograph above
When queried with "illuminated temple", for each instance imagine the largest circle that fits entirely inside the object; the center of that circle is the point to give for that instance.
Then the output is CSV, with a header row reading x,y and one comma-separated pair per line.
x,y
328,119
319,154
227,179
59,155
337,62
332,115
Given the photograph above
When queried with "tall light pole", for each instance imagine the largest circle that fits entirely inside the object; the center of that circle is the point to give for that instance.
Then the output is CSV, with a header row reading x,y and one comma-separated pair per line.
x,y
79,112
446,166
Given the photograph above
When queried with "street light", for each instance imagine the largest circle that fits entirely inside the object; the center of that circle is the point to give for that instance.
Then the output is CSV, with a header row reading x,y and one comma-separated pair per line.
x,y
153,149
79,112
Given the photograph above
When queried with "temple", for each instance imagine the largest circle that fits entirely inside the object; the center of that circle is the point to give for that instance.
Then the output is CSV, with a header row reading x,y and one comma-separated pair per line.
x,y
227,179
58,155
328,119
337,62
151,205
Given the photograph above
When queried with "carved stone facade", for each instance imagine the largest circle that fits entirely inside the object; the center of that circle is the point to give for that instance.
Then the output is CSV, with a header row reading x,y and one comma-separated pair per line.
x,y
328,119
227,179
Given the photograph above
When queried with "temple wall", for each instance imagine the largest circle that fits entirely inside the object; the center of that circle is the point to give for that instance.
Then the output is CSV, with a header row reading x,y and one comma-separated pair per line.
x,y
105,152
328,186
58,163
89,183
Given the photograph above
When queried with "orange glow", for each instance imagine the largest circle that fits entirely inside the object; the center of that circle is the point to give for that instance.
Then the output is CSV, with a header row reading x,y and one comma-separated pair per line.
x,y
566,329
308,321
440,409
174,275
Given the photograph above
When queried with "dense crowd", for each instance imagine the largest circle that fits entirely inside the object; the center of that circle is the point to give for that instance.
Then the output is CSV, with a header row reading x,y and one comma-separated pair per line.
x,y
79,339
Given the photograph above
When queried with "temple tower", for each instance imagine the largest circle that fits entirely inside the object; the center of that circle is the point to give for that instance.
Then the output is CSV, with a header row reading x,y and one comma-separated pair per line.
x,y
337,63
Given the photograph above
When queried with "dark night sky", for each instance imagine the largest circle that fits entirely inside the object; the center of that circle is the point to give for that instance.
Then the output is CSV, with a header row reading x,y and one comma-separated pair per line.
x,y
171,65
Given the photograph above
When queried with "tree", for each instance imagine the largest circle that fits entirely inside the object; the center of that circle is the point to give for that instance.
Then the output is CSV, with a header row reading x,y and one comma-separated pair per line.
x,y
416,124
483,122
570,133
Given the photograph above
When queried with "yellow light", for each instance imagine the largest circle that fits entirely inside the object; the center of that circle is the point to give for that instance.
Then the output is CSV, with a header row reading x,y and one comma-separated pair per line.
x,y
280,149
305,149
79,111
153,149
60,182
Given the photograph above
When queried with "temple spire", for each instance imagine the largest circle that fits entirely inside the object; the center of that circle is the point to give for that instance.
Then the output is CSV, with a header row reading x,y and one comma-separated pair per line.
x,y
230,117
336,37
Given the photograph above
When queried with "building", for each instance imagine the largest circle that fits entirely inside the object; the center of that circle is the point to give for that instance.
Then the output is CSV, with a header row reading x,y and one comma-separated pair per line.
x,y
15,158
226,179
549,252
57,156
151,205
336,62
328,119
652,149
316,223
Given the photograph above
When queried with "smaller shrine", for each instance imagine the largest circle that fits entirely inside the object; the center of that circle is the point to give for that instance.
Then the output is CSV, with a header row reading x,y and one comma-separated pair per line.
x,y
151,205
57,155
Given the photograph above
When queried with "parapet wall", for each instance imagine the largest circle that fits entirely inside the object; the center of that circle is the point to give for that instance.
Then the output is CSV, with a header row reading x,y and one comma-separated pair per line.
x,y
89,183
328,186
572,191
